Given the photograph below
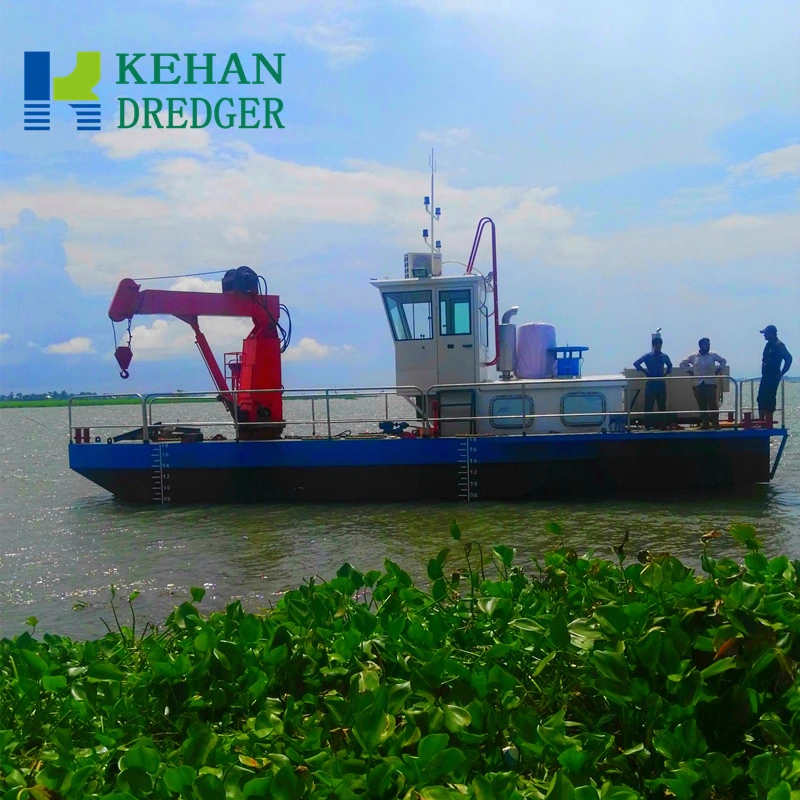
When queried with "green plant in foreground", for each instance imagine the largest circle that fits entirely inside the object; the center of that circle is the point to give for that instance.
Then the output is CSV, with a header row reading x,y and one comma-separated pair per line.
x,y
577,677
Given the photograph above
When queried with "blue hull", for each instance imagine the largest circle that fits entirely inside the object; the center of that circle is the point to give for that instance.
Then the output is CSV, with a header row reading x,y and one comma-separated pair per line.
x,y
443,469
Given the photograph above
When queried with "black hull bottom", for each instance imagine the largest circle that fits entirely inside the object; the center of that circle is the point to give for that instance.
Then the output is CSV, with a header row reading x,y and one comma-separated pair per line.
x,y
644,466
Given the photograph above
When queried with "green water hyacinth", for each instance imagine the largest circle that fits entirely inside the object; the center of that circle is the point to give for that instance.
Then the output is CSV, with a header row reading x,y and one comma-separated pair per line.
x,y
570,677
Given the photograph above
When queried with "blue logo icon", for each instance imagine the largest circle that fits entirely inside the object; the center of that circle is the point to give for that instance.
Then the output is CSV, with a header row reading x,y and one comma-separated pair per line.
x,y
75,89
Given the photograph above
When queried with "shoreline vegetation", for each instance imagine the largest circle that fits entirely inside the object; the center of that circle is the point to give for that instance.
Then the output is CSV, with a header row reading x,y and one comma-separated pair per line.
x,y
570,677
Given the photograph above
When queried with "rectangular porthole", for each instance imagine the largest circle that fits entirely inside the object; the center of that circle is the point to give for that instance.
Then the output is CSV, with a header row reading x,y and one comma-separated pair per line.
x,y
507,411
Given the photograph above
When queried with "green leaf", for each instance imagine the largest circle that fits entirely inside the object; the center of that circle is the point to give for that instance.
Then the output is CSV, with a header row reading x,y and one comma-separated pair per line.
x,y
455,531
613,620
258,787
144,758
719,769
435,793
746,534
544,662
456,718
179,779
781,791
209,787
398,694
104,671
448,762
37,664
53,683
559,632
198,748
373,727
612,665
526,624
434,569
766,769
553,528
432,744
717,667
136,781
505,554
198,593
652,576
561,788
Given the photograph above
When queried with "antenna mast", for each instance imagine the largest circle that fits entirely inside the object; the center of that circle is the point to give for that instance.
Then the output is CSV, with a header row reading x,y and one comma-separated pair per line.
x,y
433,212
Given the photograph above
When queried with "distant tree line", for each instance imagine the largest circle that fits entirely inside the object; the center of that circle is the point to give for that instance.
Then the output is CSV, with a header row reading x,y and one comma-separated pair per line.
x,y
44,395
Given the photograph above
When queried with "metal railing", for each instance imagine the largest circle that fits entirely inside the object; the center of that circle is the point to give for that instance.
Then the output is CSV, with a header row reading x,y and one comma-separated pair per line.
x,y
753,408
628,403
325,421
427,415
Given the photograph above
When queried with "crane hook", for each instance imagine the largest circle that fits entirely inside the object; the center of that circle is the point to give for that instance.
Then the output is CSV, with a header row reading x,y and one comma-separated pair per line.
x,y
123,355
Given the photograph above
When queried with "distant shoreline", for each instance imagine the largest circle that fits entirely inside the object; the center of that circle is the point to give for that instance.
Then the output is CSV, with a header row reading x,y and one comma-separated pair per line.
x,y
99,400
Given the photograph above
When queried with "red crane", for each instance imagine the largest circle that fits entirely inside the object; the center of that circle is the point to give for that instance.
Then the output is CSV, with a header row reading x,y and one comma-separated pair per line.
x,y
255,369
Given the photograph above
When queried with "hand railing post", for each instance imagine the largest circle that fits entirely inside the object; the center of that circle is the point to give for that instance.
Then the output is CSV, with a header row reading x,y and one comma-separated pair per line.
x,y
328,410
524,404
783,402
313,418
145,427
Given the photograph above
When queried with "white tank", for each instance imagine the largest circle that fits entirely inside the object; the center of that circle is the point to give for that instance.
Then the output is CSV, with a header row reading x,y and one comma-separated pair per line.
x,y
533,340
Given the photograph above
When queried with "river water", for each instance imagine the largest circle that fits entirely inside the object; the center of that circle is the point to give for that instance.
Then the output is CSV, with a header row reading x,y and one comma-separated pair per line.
x,y
64,541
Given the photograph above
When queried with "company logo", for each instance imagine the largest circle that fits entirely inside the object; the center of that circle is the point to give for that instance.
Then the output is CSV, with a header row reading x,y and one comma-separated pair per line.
x,y
237,107
75,89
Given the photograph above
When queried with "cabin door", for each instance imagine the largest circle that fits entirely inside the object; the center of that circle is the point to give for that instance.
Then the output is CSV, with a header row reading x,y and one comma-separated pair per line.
x,y
457,343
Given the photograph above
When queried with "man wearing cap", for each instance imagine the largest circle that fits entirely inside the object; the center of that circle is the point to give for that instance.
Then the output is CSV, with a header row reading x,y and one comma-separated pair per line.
x,y
656,366
775,354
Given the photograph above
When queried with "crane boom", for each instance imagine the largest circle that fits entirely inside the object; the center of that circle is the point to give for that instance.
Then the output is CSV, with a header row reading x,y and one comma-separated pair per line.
x,y
254,395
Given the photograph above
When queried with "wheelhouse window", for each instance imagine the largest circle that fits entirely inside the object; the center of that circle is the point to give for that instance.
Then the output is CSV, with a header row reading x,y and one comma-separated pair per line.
x,y
507,411
410,314
455,312
591,406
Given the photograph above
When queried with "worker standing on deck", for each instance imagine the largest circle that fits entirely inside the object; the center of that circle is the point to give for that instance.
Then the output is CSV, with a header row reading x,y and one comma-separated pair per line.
x,y
657,366
705,366
774,354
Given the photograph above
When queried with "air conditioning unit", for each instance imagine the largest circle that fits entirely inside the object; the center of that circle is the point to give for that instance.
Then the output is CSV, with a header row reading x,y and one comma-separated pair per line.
x,y
418,265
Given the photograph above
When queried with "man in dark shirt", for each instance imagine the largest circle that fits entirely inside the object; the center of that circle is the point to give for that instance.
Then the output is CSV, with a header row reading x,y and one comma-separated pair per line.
x,y
775,354
656,366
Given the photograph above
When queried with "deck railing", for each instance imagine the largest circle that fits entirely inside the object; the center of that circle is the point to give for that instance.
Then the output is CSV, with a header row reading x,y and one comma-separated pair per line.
x,y
427,416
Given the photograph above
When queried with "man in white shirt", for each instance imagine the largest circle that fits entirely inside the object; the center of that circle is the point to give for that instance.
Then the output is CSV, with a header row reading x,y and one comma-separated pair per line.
x,y
705,366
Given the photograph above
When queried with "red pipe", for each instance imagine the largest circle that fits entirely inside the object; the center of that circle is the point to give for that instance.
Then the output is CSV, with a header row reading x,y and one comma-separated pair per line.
x,y
472,256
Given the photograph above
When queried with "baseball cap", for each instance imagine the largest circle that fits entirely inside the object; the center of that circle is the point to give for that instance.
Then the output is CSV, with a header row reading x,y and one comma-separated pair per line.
x,y
769,329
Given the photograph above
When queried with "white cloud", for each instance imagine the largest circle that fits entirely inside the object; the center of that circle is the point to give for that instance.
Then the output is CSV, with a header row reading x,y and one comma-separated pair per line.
x,y
336,40
774,164
308,349
131,142
80,344
446,136
163,339
281,213
4,337
696,199
335,30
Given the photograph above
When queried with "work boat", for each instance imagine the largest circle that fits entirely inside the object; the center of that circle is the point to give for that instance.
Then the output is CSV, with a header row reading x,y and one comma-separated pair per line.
x,y
482,409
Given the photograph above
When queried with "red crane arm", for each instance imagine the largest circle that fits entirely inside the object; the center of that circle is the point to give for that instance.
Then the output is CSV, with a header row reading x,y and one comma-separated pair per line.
x,y
130,300
258,399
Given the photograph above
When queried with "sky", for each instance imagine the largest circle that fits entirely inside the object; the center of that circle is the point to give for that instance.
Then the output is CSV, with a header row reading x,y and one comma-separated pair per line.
x,y
641,161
